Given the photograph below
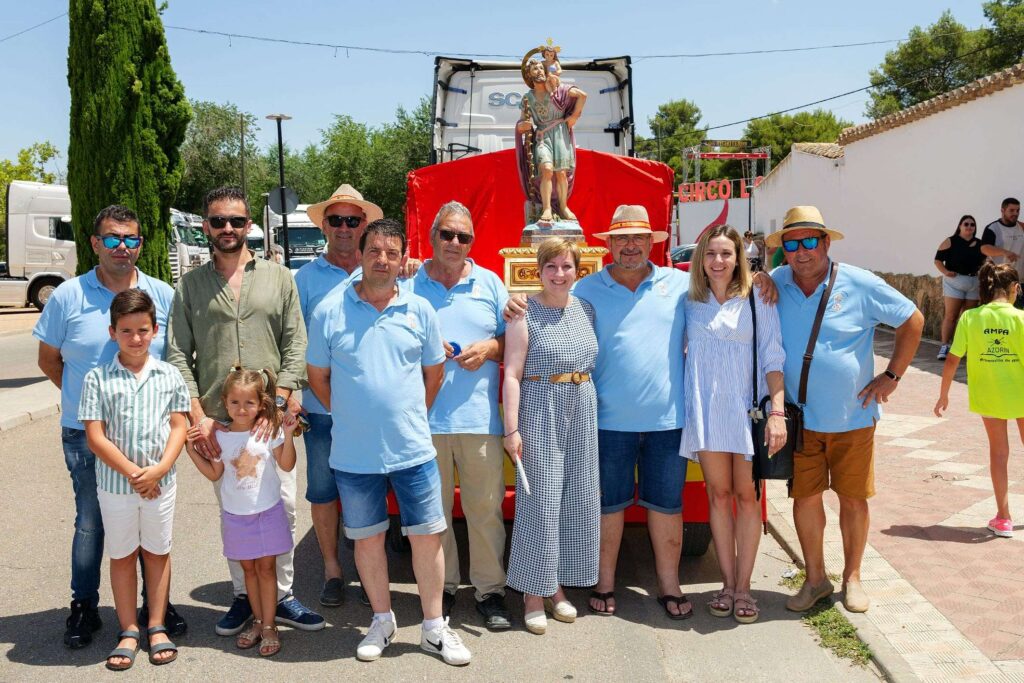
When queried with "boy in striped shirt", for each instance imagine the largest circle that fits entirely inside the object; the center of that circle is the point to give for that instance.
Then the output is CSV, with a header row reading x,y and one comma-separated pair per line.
x,y
133,409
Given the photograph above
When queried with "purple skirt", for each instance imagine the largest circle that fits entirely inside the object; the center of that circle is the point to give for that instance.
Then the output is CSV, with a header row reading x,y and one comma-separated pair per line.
x,y
248,537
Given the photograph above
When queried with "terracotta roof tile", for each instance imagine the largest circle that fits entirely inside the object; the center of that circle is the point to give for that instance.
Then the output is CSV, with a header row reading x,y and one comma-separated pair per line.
x,y
829,150
980,88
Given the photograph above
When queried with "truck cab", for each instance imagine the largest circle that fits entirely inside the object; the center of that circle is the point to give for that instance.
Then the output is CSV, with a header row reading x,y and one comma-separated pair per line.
x,y
305,239
40,243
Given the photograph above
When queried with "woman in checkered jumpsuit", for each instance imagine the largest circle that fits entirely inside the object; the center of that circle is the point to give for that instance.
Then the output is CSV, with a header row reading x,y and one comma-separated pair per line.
x,y
556,533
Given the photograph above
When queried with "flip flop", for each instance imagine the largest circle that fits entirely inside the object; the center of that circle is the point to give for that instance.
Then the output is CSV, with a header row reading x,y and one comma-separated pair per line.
x,y
157,648
126,652
597,595
678,601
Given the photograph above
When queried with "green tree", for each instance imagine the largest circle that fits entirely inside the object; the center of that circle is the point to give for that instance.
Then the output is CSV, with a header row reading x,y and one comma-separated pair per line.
x,y
780,131
30,165
675,125
1006,38
395,149
211,152
128,118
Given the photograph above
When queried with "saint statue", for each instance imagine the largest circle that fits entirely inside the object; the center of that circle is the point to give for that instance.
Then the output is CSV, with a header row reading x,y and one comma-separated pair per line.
x,y
545,145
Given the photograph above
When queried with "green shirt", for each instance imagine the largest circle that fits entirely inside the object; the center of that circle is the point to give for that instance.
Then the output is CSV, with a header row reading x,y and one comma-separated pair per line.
x,y
992,338
208,333
136,414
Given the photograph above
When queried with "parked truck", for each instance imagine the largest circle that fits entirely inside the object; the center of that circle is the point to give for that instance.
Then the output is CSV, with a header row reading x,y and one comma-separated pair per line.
x,y
305,239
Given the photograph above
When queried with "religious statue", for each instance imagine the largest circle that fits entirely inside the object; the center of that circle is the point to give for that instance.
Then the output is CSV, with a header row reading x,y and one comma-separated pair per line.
x,y
545,145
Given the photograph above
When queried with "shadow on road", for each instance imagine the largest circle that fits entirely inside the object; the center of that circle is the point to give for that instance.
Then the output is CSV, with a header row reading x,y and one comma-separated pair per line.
x,y
950,534
924,359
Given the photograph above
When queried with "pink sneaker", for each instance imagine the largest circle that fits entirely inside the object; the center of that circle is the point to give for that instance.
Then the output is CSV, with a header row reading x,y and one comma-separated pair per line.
x,y
1001,527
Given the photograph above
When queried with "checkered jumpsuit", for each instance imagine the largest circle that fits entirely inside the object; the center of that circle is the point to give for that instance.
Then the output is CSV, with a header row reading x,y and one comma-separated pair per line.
x,y
557,528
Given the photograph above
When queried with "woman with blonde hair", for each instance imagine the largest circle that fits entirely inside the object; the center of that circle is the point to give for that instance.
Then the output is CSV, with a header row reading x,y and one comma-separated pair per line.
x,y
720,333
551,426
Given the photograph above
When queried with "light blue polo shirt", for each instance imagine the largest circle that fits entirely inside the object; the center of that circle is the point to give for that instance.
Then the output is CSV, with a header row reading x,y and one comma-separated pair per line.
x,y
378,401
844,354
471,311
315,280
639,370
76,320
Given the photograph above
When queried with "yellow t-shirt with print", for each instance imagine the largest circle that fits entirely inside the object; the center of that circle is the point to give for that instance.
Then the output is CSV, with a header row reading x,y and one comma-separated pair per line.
x,y
992,338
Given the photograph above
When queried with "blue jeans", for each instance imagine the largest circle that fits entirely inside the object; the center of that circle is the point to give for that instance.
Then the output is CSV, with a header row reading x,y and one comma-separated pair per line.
x,y
649,461
87,546
417,489
320,485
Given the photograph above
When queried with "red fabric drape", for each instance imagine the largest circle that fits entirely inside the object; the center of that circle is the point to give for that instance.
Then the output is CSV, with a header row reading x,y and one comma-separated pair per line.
x,y
488,185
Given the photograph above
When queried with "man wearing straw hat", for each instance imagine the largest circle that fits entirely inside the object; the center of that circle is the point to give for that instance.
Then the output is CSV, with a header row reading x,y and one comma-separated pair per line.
x,y
843,392
342,218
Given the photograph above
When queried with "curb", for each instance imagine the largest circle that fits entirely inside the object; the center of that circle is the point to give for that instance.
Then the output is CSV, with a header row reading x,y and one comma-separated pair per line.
x,y
884,656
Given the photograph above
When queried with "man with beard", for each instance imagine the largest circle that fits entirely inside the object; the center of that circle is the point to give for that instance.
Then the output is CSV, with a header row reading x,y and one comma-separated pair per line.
x,y
240,310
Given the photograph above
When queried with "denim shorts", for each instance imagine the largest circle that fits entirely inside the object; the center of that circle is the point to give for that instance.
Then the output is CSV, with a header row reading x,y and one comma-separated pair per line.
x,y
961,287
364,508
320,485
653,457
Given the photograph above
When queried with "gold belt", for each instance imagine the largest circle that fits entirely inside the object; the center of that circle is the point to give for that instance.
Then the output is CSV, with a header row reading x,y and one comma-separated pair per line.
x,y
574,377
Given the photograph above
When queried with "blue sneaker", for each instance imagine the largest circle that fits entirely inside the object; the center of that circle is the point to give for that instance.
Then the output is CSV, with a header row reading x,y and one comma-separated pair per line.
x,y
293,613
236,618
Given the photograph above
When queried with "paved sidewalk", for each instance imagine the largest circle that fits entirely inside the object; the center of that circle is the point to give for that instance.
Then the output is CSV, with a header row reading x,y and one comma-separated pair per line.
x,y
948,596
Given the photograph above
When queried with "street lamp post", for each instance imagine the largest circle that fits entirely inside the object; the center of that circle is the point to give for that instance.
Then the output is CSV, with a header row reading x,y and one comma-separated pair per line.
x,y
280,166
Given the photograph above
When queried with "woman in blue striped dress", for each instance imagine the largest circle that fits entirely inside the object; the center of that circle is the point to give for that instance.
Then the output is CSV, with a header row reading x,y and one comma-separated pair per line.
x,y
719,375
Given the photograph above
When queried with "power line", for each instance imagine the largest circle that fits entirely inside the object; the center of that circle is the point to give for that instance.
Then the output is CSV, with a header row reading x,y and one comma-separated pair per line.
x,y
32,28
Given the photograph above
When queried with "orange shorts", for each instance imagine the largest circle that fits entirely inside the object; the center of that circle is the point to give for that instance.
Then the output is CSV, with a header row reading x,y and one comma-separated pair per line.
x,y
842,461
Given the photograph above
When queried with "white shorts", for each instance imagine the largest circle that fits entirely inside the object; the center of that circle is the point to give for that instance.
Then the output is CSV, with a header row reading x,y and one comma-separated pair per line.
x,y
130,521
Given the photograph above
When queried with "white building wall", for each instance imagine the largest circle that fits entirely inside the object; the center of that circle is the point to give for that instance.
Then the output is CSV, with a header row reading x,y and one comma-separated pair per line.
x,y
897,194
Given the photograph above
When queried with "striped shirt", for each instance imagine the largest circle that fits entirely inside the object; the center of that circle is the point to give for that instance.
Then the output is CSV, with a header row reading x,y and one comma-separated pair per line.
x,y
136,412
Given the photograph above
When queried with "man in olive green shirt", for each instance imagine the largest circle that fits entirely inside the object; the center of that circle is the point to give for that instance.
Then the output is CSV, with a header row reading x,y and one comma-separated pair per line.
x,y
240,310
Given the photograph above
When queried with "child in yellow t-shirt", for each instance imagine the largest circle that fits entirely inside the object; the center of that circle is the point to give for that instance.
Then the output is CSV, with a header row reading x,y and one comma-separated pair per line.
x,y
992,338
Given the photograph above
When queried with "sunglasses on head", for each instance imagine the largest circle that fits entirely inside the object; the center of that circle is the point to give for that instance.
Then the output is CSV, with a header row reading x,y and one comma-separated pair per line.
x,y
336,221
113,241
808,243
221,222
449,235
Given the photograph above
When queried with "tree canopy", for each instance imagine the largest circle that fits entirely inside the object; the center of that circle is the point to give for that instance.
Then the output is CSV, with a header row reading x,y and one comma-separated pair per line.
x,y
780,131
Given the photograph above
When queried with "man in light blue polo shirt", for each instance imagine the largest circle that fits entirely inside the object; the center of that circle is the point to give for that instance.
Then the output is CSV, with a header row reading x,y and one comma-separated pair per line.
x,y
73,339
843,392
342,218
375,359
464,421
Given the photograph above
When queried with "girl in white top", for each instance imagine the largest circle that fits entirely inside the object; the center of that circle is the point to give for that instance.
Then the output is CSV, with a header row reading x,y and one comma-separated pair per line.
x,y
719,332
254,525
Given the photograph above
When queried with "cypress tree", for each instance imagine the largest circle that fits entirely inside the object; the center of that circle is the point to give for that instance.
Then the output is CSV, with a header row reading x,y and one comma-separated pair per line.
x,y
128,118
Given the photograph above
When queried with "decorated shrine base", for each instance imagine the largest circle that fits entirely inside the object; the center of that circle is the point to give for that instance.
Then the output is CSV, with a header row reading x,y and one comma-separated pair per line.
x,y
521,273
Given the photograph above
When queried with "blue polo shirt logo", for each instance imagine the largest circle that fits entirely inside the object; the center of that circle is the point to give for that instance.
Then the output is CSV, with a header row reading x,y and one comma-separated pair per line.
x,y
411,319
837,301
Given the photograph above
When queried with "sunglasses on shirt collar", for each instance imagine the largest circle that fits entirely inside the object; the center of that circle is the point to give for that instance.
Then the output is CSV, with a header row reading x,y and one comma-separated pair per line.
x,y
807,243
221,222
336,221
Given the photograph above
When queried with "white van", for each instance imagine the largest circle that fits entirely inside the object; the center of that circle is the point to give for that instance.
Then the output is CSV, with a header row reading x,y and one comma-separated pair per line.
x,y
476,106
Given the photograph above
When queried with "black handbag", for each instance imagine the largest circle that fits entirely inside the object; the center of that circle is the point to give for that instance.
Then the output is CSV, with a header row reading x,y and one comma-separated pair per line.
x,y
780,465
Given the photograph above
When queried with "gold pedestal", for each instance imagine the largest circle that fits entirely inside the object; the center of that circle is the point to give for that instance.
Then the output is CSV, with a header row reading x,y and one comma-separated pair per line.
x,y
521,275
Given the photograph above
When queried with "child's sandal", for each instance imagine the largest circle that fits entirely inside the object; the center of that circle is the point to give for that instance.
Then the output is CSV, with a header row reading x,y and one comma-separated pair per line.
x,y
745,610
271,644
721,603
248,638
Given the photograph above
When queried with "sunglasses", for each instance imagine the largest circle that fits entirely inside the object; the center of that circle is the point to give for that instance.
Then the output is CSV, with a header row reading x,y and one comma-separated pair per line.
x,y
808,243
970,225
221,222
449,235
113,241
336,221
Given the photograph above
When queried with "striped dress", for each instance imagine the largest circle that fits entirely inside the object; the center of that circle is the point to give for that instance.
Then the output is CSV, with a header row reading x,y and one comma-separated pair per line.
x,y
136,412
718,372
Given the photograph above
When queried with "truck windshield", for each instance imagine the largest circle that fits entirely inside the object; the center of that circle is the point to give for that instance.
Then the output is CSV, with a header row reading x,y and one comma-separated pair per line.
x,y
305,238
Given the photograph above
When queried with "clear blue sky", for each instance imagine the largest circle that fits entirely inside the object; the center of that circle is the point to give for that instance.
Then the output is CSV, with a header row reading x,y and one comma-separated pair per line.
x,y
313,84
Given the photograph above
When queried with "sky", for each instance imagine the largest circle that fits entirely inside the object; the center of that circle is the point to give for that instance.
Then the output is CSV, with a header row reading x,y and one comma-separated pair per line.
x,y
314,84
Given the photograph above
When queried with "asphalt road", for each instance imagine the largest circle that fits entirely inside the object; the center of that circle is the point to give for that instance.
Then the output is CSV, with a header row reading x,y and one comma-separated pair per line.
x,y
638,645
18,355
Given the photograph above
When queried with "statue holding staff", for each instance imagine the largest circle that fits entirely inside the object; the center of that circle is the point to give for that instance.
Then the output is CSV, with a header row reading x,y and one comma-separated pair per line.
x,y
545,145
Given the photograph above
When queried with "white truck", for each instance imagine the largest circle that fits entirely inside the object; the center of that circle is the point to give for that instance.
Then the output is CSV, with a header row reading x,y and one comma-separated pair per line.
x,y
476,105
41,245
305,239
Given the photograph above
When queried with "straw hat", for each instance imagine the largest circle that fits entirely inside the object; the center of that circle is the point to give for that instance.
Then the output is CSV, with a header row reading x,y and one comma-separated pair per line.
x,y
632,220
348,195
801,218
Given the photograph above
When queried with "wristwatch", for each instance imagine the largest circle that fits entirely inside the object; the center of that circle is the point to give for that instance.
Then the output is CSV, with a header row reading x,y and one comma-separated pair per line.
x,y
282,402
892,375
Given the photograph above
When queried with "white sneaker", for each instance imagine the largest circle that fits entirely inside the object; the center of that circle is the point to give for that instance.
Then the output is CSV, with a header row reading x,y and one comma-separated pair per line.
x,y
943,350
445,642
382,632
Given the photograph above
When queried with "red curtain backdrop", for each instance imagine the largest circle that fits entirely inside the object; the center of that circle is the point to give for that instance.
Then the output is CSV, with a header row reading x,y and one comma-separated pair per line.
x,y
488,185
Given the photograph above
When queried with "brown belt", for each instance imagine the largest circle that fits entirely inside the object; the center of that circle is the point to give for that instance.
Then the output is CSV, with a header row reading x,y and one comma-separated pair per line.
x,y
574,377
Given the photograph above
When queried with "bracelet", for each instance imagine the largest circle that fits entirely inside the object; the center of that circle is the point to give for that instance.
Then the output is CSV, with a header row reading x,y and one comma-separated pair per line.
x,y
514,431
892,375
777,413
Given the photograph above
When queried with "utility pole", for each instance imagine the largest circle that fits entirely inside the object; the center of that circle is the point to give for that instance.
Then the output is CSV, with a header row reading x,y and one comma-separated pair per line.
x,y
280,166
241,152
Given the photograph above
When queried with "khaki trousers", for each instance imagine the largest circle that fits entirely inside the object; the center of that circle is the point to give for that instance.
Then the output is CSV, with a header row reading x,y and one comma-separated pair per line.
x,y
285,562
480,462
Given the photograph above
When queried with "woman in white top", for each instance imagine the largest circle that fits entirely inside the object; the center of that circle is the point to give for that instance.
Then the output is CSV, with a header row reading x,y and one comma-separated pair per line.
x,y
719,394
752,250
